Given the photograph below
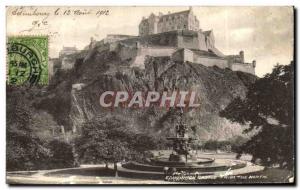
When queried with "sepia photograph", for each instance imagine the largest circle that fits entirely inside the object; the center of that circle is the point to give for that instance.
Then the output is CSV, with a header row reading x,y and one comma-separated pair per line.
x,y
150,95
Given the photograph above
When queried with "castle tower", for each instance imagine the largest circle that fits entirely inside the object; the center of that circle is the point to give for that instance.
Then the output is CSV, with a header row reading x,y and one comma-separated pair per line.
x,y
152,20
184,20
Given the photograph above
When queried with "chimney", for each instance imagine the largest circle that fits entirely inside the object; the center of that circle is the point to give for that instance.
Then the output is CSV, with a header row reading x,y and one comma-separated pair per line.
x,y
242,56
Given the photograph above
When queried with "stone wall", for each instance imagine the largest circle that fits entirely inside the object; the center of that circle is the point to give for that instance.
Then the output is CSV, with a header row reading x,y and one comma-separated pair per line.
x,y
188,55
181,45
163,39
180,39
151,51
127,52
246,67
211,61
188,41
156,51
201,42
183,55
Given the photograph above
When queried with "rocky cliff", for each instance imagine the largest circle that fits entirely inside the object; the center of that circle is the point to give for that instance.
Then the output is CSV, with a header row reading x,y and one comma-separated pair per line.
x,y
73,98
105,71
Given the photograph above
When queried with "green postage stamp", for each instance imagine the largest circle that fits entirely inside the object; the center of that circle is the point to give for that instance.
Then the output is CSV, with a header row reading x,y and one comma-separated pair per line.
x,y
27,60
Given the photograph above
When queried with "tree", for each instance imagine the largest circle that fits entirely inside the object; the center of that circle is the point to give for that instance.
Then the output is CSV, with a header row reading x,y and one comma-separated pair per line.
x,y
25,151
30,133
237,142
111,139
62,154
144,142
269,109
103,139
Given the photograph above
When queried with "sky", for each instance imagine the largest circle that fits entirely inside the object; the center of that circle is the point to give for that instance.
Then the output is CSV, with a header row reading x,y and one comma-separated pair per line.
x,y
265,34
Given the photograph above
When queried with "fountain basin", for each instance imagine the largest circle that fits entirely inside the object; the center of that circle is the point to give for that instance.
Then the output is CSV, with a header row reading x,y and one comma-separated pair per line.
x,y
165,162
217,168
188,168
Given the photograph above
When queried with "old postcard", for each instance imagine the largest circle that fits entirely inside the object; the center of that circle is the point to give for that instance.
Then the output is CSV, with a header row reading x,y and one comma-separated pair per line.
x,y
150,95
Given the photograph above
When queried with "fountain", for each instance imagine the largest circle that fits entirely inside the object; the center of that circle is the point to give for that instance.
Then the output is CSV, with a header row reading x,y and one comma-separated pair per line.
x,y
181,156
182,160
181,144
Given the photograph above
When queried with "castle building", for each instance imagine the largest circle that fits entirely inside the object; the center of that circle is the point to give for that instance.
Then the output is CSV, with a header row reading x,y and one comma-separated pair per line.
x,y
184,20
67,51
67,57
180,21
175,35
182,30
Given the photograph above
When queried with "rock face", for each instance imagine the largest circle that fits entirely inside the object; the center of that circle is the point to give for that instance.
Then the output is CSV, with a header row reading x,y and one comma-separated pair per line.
x,y
105,71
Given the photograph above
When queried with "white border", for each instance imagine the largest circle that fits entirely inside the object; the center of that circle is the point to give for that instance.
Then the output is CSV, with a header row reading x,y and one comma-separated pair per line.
x,y
4,3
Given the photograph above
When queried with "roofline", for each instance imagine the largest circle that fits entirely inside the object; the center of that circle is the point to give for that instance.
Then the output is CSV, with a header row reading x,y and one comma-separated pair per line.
x,y
165,15
176,13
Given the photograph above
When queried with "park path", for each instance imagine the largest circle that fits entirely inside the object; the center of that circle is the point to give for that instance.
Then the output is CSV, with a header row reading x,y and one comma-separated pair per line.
x,y
41,177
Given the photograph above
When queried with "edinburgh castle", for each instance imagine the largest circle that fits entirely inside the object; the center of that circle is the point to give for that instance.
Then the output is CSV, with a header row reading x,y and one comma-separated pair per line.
x,y
175,35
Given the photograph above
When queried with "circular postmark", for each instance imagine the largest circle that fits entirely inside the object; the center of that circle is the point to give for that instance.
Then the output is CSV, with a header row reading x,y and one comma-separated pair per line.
x,y
23,64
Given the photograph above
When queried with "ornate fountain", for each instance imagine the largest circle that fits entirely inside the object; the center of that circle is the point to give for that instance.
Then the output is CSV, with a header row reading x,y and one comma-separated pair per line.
x,y
181,155
181,160
181,144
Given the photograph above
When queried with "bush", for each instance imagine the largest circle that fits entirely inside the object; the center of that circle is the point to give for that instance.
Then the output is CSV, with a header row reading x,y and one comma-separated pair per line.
x,y
61,154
